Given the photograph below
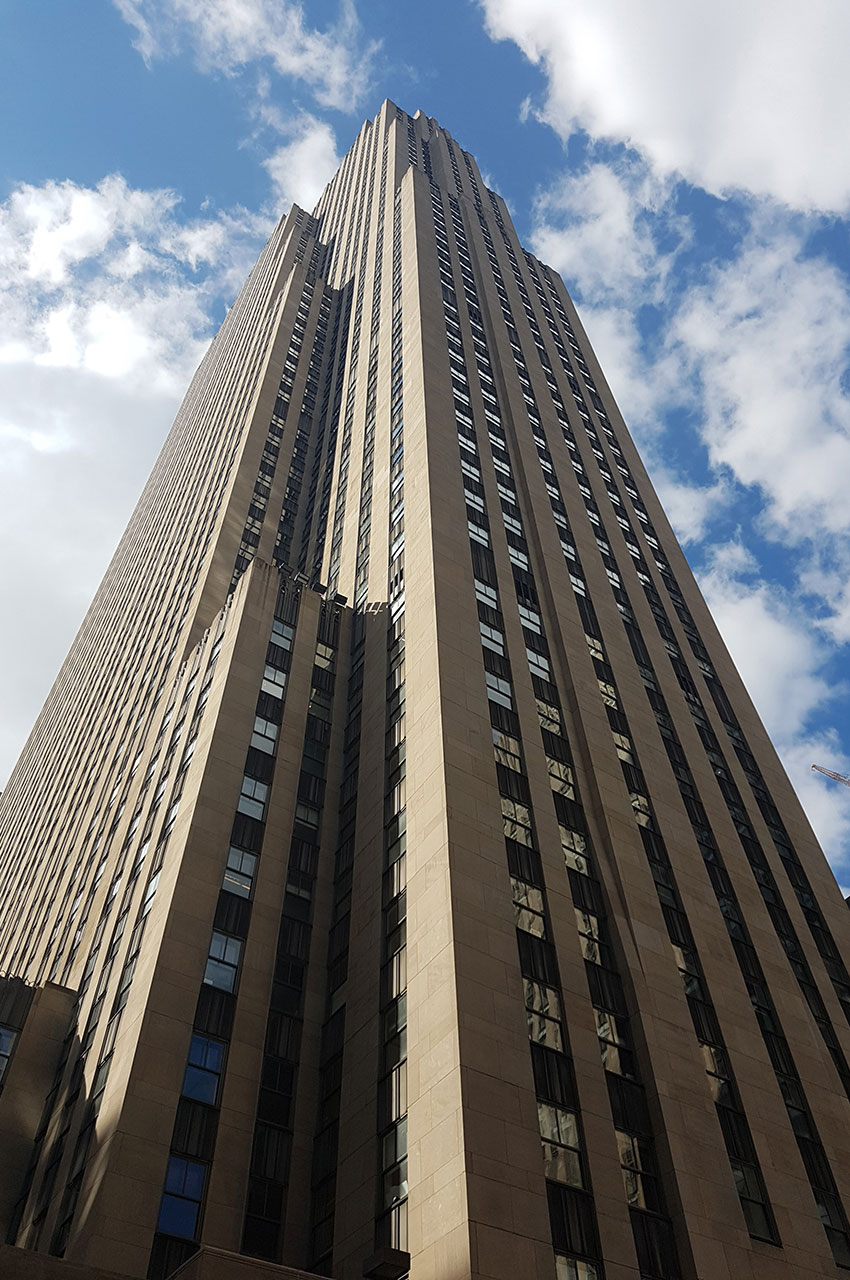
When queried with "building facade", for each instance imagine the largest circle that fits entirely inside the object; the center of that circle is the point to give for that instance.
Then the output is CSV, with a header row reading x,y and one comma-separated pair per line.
x,y
425,894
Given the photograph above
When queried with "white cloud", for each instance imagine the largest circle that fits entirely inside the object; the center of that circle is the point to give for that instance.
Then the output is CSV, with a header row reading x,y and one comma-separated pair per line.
x,y
688,507
102,279
776,652
826,575
103,318
228,35
45,231
301,168
751,96
767,337
599,227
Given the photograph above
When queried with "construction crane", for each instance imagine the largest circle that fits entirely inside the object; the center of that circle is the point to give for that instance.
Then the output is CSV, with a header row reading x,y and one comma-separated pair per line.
x,y
838,777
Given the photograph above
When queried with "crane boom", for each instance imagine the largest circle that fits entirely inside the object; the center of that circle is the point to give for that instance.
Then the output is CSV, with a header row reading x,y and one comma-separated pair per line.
x,y
839,777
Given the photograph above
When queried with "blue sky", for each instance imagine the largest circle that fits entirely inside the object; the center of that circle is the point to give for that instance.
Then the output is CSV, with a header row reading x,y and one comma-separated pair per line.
x,y
686,169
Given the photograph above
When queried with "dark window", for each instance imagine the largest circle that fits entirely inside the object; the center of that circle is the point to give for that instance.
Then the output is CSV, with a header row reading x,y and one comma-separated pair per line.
x,y
606,989
654,1245
537,958
181,1201
270,1157
195,1129
553,1079
233,914
628,1104
203,1071
283,1036
572,1221
167,1255
7,1040
215,1011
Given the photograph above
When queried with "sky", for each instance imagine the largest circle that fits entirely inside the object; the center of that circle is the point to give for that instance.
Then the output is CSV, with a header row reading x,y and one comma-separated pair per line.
x,y
685,167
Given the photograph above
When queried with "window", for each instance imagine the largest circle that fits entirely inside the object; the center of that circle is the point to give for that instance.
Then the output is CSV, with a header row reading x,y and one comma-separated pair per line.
x,y
538,665
656,1250
641,807
223,961
274,682
203,1071
499,690
325,657
614,1043
486,594
561,777
394,1161
181,1201
753,1201
493,639
575,1269
270,1155
239,872
507,750
638,1168
561,1144
609,694
7,1042
264,737
572,1221
529,908
591,937
543,1011
549,716
516,820
252,801
282,634
574,846
149,895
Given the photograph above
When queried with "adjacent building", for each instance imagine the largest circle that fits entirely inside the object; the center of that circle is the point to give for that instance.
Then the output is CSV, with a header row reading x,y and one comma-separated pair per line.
x,y
398,874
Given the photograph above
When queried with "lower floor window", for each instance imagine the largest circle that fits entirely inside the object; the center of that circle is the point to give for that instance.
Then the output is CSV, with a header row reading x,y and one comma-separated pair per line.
x,y
181,1201
7,1041
575,1269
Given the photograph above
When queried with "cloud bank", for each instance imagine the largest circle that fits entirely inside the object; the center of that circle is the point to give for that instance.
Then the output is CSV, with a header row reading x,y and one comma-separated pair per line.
x,y
747,96
227,36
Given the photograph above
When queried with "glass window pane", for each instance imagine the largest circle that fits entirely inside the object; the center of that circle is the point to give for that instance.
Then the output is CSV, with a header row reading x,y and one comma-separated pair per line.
x,y
193,1179
544,1030
758,1223
178,1217
395,1184
237,882
542,999
562,1164
200,1085
206,1053
575,1269
220,975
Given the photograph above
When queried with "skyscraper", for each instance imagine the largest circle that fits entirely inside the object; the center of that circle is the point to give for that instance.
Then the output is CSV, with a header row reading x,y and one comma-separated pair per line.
x,y
398,878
